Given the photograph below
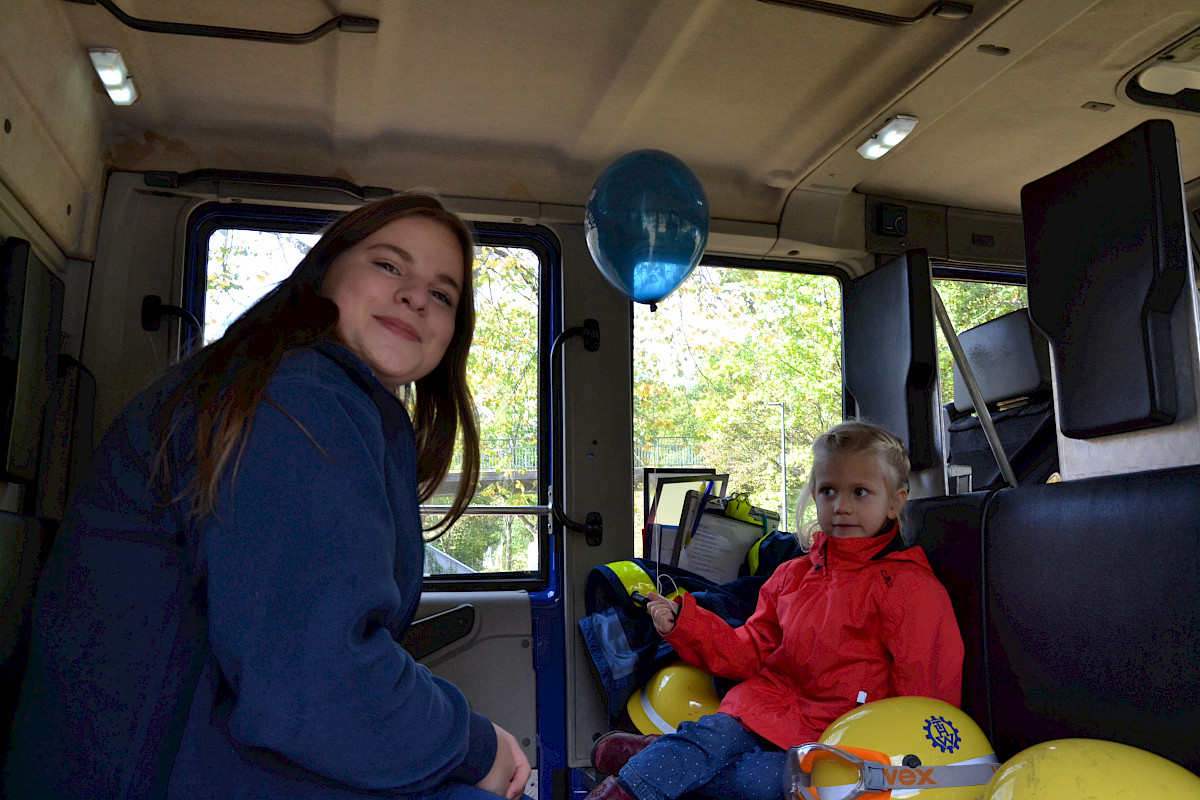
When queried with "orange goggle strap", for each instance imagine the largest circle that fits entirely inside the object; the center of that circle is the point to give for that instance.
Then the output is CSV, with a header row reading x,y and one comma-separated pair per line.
x,y
876,774
802,760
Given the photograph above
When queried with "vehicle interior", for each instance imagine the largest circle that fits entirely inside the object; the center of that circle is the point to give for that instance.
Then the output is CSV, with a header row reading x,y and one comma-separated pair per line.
x,y
1078,599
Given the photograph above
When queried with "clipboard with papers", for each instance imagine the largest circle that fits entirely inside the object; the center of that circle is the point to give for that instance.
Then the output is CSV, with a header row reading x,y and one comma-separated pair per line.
x,y
663,512
714,544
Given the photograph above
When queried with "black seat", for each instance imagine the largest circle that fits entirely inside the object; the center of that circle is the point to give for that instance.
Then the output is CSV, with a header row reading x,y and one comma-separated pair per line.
x,y
1011,364
950,530
890,353
1093,612
24,545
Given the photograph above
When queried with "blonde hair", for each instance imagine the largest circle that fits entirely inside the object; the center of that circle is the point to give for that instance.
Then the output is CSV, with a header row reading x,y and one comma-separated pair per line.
x,y
852,436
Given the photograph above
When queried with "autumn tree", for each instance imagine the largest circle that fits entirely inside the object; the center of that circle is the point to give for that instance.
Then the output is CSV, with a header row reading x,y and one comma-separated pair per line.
x,y
504,381
711,367
726,346
719,355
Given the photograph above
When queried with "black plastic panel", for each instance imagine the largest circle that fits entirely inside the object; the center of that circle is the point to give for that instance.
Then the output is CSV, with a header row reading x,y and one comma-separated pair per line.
x,y
1106,247
30,338
24,545
1093,608
889,352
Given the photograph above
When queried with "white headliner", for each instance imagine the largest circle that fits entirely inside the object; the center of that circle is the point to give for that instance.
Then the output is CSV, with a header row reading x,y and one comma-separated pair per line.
x,y
528,100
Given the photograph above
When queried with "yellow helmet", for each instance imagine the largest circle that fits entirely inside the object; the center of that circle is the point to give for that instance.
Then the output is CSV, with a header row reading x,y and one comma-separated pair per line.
x,y
636,579
899,747
1090,768
673,695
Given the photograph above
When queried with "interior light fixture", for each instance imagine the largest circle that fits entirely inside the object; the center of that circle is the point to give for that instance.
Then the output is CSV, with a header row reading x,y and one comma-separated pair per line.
x,y
113,74
887,137
1167,77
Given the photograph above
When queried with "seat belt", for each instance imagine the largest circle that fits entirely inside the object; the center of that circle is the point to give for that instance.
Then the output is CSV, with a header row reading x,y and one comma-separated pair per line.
x,y
985,416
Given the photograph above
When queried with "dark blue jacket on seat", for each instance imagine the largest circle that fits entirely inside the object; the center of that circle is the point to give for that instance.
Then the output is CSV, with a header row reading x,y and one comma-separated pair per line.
x,y
275,619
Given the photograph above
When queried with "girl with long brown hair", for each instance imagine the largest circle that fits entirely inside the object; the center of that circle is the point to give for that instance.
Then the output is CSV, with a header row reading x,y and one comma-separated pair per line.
x,y
221,610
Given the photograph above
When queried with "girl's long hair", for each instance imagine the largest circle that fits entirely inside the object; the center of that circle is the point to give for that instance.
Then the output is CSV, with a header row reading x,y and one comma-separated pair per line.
x,y
227,379
852,436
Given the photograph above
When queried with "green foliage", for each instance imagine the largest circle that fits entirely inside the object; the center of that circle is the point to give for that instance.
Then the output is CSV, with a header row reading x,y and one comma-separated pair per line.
x,y
720,354
503,364
242,266
504,381
226,262
968,305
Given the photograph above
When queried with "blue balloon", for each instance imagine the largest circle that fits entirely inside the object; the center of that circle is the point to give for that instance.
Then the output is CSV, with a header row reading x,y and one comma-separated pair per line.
x,y
646,224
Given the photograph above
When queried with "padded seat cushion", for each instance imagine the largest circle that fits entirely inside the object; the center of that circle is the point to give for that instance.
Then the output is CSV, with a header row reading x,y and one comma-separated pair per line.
x,y
1008,359
1093,608
949,529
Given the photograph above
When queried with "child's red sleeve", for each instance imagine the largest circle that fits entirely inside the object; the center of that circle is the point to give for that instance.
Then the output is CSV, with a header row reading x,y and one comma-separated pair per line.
x,y
704,639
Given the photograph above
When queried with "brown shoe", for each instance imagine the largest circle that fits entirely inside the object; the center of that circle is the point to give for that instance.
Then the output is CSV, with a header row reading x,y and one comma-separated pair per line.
x,y
614,748
608,789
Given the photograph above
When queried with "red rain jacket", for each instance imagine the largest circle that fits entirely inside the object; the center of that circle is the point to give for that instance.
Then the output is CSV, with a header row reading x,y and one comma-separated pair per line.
x,y
855,615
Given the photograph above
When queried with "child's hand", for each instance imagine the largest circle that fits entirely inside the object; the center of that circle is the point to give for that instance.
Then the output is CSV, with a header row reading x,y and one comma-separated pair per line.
x,y
662,611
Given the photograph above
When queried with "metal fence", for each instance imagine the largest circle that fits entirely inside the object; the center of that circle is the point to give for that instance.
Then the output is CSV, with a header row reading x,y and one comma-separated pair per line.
x,y
503,455
520,454
668,451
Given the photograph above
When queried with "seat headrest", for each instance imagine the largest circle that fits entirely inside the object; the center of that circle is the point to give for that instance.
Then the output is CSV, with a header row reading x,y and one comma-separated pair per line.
x,y
1008,358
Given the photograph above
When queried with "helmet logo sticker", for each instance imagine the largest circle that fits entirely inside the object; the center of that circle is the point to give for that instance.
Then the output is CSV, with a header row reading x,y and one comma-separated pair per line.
x,y
942,733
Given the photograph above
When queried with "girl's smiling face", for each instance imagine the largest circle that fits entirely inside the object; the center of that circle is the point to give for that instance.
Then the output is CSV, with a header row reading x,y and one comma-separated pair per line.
x,y
397,292
854,497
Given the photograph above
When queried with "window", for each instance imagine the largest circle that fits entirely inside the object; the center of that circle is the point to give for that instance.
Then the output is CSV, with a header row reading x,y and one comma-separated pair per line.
x,y
240,255
738,370
504,370
970,303
243,265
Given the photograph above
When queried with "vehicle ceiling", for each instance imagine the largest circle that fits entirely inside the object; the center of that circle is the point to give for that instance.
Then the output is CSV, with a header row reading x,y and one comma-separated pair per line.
x,y
529,100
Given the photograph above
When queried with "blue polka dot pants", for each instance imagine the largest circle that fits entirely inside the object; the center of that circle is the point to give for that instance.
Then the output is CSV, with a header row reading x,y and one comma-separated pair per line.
x,y
713,757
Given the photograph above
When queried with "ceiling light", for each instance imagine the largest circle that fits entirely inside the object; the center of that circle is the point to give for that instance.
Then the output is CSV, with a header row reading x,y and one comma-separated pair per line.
x,y
1166,77
113,74
887,137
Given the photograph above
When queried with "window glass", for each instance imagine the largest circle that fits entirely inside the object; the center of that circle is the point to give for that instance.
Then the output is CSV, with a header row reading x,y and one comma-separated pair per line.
x,y
504,381
243,264
738,370
971,303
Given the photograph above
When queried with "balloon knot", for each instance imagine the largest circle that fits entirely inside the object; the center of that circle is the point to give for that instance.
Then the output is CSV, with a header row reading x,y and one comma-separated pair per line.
x,y
653,307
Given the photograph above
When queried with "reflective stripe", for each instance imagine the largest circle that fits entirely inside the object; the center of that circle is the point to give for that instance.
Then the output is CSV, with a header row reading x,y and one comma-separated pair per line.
x,y
878,777
875,776
652,715
990,758
841,791
753,555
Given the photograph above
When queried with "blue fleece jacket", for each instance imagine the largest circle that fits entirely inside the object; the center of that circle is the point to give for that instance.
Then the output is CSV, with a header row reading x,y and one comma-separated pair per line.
x,y
283,649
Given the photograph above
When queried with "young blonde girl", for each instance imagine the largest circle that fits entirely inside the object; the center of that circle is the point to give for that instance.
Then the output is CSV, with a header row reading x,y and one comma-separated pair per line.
x,y
859,618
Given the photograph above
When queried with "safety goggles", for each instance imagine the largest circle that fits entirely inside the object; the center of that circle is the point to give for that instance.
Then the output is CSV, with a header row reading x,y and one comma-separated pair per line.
x,y
877,776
